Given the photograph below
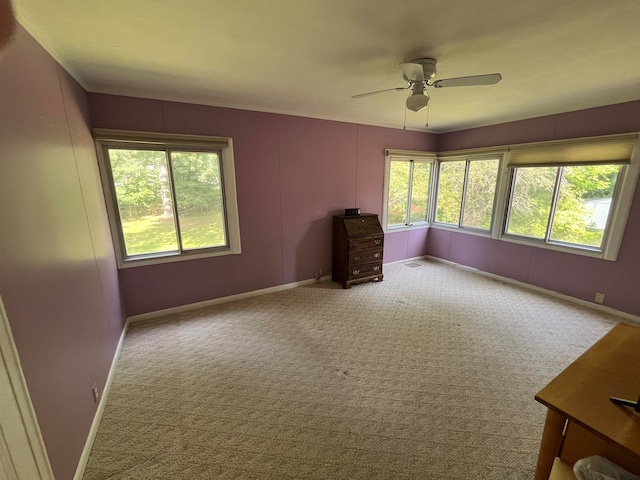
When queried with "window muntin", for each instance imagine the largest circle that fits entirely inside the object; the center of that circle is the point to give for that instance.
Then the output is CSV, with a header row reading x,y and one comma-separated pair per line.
x,y
565,205
408,193
169,197
466,192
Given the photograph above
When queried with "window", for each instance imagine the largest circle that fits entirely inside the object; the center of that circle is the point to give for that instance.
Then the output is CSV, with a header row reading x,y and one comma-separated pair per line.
x,y
407,185
564,205
170,197
567,195
572,194
466,192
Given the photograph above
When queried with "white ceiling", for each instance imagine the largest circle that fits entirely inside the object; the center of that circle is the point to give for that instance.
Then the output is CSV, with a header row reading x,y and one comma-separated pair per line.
x,y
308,57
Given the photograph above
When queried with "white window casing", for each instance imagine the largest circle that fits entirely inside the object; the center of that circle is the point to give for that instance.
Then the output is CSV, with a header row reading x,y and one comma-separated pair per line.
x,y
404,156
497,206
105,138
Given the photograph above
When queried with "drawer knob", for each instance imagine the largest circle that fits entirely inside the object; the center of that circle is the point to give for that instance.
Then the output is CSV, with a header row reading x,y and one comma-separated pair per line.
x,y
376,255
355,244
356,258
378,242
375,269
356,272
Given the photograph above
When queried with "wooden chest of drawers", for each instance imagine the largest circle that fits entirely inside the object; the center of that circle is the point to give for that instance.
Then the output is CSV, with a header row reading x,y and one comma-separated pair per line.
x,y
358,243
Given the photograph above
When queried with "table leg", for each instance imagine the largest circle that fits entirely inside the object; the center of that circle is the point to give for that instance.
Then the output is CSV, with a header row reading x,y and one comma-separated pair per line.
x,y
550,443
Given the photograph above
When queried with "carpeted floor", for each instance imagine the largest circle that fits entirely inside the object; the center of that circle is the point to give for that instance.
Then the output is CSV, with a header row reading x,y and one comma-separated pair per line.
x,y
430,374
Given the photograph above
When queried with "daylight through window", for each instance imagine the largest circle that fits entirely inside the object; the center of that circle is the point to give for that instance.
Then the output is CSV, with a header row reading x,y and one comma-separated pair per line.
x,y
562,204
170,198
409,183
466,191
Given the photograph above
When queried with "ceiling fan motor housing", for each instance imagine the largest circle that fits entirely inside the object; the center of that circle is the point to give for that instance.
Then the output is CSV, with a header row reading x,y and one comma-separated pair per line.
x,y
429,70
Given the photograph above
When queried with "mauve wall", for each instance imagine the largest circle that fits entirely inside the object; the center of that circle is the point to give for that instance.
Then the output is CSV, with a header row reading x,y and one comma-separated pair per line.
x,y
292,175
58,277
573,275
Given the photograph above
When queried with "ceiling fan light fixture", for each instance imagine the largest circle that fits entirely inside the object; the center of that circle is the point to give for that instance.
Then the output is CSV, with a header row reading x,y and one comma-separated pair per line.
x,y
418,100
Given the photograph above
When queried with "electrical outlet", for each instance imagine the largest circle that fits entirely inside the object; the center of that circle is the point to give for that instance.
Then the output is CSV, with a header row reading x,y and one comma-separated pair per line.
x,y
95,393
599,297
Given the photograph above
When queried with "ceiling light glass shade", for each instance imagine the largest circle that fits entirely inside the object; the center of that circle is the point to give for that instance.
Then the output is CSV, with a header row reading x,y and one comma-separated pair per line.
x,y
417,101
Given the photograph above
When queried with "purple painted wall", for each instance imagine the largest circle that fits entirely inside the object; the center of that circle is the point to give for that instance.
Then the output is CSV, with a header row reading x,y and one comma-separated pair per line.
x,y
292,175
573,275
58,277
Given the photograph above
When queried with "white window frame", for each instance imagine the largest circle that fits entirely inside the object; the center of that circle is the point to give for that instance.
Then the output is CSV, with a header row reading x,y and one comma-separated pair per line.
x,y
105,138
406,156
468,159
618,215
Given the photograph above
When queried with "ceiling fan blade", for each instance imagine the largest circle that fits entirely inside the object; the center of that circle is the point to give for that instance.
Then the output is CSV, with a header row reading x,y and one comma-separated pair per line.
x,y
490,79
398,89
413,72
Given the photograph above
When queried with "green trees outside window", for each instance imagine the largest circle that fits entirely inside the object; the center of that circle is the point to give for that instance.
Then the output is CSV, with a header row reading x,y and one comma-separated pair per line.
x,y
168,200
531,197
408,200
421,179
480,193
466,190
450,189
562,204
399,181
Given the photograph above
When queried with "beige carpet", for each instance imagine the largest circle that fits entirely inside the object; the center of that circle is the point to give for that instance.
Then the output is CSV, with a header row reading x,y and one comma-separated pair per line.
x,y
430,374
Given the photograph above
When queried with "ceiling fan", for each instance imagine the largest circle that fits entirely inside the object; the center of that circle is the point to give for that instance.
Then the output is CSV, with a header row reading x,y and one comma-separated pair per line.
x,y
419,74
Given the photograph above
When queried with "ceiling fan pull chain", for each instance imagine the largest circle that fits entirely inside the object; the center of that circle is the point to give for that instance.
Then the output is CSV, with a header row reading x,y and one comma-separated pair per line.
x,y
428,110
404,125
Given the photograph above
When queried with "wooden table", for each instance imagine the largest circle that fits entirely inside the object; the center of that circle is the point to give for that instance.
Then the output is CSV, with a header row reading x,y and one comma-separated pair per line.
x,y
578,399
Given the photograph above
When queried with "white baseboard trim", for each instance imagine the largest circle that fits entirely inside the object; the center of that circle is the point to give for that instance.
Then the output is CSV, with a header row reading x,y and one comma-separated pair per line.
x,y
254,293
595,306
86,451
217,301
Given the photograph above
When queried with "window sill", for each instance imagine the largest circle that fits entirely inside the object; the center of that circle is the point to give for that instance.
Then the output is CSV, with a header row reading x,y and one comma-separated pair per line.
x,y
586,252
406,228
466,231
171,258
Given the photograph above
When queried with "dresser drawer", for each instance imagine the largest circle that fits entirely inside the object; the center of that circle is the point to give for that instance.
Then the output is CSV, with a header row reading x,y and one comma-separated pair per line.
x,y
365,243
369,270
358,257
